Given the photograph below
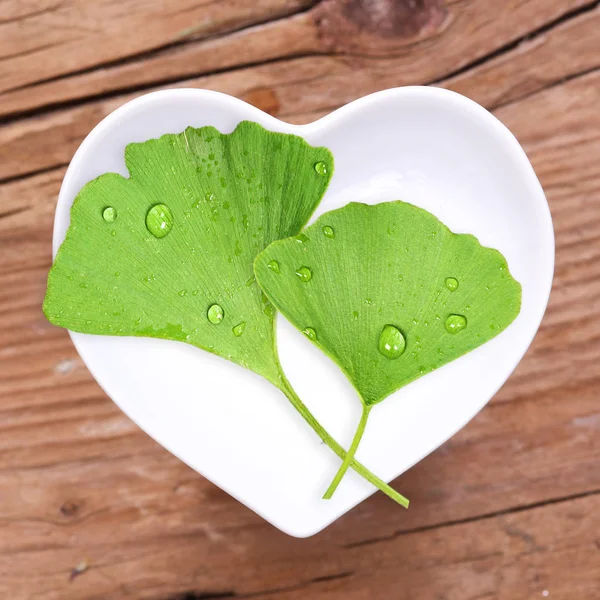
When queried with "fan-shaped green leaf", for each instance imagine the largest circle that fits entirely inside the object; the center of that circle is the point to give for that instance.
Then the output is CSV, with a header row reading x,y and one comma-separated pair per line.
x,y
389,293
168,252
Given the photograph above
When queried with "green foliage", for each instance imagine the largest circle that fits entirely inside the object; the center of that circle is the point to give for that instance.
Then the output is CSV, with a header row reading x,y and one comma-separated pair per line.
x,y
180,237
168,252
392,294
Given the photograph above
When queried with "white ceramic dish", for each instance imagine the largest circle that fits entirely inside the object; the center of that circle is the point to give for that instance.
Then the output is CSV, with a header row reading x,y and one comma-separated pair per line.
x,y
427,146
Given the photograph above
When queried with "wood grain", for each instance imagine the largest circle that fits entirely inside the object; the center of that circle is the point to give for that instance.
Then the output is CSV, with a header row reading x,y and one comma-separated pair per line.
x,y
301,85
508,508
54,38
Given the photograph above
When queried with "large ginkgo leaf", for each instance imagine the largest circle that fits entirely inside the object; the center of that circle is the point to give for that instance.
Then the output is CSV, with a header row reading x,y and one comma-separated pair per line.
x,y
168,252
389,293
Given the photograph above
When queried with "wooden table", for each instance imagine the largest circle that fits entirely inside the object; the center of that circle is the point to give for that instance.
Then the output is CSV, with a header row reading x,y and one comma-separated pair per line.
x,y
507,509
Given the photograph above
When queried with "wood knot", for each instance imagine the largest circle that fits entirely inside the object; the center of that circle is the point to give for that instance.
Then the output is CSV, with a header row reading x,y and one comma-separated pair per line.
x,y
264,98
376,27
69,509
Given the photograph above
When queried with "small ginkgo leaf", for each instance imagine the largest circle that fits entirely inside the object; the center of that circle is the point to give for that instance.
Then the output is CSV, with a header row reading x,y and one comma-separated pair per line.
x,y
168,252
389,293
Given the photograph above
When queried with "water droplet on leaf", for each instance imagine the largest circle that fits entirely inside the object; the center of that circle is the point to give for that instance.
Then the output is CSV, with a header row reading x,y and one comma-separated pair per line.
x,y
274,266
455,323
215,314
239,329
328,232
392,342
321,168
109,214
310,333
304,273
159,220
452,283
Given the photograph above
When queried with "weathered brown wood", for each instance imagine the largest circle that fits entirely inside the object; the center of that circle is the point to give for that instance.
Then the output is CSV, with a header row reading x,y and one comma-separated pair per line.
x,y
423,51
309,84
568,49
508,508
52,39
537,440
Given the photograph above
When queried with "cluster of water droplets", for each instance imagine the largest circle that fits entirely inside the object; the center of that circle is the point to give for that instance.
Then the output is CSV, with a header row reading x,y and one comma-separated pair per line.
x,y
392,342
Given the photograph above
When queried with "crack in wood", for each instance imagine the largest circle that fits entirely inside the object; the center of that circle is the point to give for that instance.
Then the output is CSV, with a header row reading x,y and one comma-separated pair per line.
x,y
474,519
299,586
32,14
530,36
27,175
140,57
545,88
62,105
529,539
202,595
13,212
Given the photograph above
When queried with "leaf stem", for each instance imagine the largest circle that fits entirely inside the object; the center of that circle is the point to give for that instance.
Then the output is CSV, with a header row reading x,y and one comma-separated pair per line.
x,y
350,456
287,389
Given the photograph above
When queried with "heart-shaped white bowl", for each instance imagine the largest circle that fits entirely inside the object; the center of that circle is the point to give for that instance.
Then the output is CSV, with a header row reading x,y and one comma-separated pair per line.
x,y
427,146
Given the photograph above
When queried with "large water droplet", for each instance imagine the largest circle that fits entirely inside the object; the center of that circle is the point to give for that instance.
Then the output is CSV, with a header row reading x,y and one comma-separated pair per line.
x,y
302,238
159,220
269,310
392,342
304,273
321,168
274,266
109,214
310,333
239,329
215,314
452,283
455,323
328,232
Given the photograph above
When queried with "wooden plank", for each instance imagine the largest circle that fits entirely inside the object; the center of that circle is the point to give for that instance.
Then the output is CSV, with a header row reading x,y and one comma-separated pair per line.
x,y
45,40
567,49
302,85
507,509
78,479
282,38
550,551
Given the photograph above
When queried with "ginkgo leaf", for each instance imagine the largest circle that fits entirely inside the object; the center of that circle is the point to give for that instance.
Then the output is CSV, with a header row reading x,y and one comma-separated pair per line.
x,y
389,293
168,252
